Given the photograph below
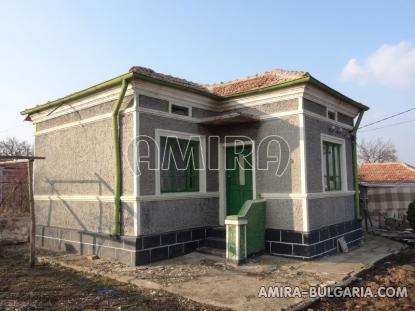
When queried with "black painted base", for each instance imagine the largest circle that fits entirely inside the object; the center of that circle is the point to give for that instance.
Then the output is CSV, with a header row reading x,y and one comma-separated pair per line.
x,y
128,250
313,244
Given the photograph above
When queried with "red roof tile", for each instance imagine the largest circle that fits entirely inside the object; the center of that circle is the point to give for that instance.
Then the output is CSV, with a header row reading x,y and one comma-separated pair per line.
x,y
396,172
269,78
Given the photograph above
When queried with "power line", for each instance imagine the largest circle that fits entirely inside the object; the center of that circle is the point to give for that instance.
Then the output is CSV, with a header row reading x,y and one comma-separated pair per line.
x,y
387,118
390,125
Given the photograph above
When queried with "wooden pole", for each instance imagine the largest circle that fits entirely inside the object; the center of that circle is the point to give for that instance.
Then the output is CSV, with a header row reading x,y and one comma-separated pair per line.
x,y
32,256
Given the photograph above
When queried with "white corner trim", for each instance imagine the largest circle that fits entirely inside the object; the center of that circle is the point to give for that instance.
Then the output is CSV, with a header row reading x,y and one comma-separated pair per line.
x,y
303,161
135,176
236,222
330,194
310,195
283,196
127,199
83,198
178,196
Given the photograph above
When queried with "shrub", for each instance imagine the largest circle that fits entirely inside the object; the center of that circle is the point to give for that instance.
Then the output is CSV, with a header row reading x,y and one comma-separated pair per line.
x,y
411,214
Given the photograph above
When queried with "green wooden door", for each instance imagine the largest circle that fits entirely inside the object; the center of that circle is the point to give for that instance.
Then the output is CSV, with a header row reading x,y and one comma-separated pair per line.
x,y
238,178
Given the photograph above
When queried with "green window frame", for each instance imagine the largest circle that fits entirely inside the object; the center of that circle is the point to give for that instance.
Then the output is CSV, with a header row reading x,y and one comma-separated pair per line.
x,y
332,173
179,169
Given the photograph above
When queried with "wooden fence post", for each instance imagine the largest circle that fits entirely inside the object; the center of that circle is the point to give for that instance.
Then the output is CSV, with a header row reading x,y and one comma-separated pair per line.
x,y
32,256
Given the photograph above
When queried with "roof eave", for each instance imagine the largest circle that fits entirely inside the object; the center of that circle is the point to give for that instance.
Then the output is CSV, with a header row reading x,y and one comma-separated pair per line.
x,y
134,75
337,94
88,91
304,80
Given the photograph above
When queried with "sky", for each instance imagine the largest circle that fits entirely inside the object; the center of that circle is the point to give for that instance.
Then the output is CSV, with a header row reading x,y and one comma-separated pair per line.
x,y
364,49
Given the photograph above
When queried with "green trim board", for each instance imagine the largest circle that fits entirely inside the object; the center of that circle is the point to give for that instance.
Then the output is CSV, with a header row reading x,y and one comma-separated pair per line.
x,y
88,91
116,223
246,231
255,212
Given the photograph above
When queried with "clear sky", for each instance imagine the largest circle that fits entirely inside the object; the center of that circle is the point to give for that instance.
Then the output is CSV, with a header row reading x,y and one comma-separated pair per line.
x,y
365,49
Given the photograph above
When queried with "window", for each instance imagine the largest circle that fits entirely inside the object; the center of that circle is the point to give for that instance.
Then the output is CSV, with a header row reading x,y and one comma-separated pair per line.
x,y
331,115
180,110
179,160
331,166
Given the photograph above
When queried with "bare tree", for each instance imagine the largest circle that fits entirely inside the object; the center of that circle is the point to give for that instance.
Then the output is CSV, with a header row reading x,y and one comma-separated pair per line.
x,y
377,151
11,146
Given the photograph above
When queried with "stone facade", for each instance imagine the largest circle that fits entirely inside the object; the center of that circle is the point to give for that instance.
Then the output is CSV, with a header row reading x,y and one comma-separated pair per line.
x,y
129,250
313,244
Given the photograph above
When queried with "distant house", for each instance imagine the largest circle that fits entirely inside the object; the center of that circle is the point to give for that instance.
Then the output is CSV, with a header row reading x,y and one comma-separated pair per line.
x,y
99,181
13,187
389,188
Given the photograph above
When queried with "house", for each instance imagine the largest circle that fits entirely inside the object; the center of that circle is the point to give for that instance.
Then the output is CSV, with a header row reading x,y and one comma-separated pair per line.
x,y
388,189
105,188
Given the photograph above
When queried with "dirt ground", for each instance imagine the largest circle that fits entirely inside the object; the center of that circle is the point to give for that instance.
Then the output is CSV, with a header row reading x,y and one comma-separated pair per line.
x,y
207,280
196,281
397,271
50,287
14,228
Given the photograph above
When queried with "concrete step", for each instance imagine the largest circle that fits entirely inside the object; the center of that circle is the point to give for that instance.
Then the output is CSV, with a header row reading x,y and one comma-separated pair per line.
x,y
217,232
212,251
214,242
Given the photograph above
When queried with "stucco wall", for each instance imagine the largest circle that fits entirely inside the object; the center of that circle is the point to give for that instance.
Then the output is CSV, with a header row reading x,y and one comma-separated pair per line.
x,y
314,107
268,108
171,215
328,211
203,113
80,162
284,214
153,103
313,130
83,216
267,179
148,124
345,119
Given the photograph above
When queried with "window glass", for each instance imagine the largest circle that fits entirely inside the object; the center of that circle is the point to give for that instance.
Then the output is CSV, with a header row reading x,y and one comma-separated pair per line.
x,y
331,166
183,111
179,160
331,115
